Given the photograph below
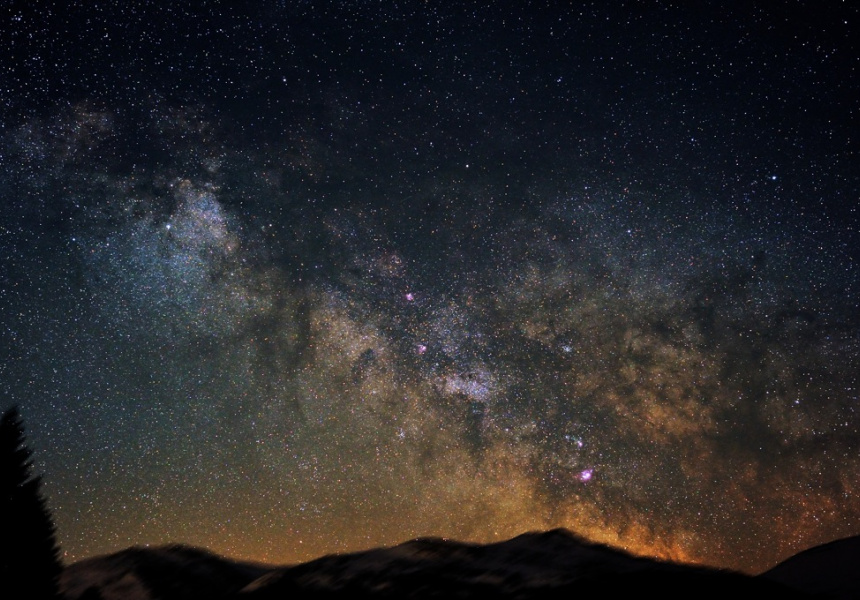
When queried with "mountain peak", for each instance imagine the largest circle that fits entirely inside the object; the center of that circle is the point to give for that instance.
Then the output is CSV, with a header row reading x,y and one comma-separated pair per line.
x,y
171,571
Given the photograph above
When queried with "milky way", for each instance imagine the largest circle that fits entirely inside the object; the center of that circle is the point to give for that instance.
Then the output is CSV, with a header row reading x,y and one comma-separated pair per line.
x,y
466,289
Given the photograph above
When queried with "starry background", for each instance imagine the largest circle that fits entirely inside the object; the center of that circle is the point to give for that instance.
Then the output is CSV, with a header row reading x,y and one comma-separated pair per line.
x,y
306,277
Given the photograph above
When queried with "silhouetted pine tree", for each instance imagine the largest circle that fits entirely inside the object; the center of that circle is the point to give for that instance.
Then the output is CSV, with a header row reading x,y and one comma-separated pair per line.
x,y
30,564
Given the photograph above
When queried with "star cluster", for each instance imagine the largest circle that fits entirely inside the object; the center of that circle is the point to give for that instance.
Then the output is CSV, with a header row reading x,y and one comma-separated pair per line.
x,y
329,277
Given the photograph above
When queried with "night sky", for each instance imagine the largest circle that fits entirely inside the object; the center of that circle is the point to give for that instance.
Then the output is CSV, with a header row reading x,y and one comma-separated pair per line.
x,y
298,277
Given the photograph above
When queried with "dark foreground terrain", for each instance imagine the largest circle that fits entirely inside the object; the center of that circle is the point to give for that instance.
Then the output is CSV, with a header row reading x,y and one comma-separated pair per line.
x,y
550,565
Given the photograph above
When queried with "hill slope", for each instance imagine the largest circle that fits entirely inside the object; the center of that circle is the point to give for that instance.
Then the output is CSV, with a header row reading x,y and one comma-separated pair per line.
x,y
547,565
553,564
172,572
832,569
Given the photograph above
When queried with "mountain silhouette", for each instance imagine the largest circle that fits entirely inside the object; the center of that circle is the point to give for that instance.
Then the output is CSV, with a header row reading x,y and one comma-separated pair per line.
x,y
550,565
832,569
173,572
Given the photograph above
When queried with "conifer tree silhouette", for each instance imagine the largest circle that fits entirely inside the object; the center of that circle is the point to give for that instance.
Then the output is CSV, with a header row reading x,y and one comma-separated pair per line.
x,y
30,564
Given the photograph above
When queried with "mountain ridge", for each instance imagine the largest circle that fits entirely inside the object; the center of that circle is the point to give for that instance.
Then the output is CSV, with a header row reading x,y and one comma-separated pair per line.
x,y
537,564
